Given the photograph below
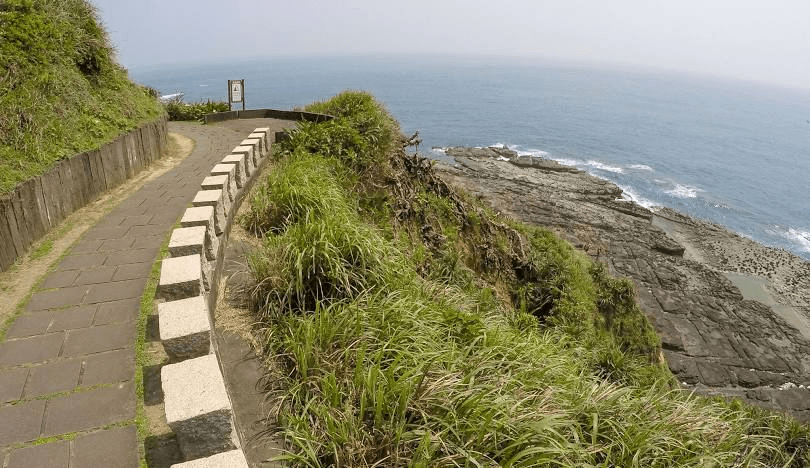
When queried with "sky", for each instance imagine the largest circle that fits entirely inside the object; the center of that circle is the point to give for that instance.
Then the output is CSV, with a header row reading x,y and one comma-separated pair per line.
x,y
755,40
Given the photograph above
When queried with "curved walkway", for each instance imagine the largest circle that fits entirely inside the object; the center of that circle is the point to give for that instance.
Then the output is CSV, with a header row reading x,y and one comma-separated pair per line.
x,y
67,364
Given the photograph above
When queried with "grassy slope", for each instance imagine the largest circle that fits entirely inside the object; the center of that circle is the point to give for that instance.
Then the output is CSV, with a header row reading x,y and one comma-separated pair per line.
x,y
60,90
411,326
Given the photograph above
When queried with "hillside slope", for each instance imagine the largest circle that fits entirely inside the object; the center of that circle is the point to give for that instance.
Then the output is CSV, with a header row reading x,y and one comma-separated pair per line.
x,y
406,324
61,91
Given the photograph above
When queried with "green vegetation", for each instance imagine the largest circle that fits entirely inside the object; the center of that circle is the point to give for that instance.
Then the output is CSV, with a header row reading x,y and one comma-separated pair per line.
x,y
408,325
179,110
142,356
61,92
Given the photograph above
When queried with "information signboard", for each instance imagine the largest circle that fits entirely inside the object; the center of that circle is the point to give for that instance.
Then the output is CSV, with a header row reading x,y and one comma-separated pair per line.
x,y
236,93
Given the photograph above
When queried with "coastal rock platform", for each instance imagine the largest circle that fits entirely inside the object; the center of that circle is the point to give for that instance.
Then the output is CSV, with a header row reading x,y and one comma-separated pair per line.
x,y
733,315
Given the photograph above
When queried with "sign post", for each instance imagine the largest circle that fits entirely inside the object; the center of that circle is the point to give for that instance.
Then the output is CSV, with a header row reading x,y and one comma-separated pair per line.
x,y
236,93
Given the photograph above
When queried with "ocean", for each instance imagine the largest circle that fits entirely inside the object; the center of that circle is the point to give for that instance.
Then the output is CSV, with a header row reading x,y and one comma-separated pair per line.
x,y
731,152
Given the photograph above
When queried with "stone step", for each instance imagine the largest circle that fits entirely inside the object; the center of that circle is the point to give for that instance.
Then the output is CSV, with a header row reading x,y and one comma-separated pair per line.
x,y
214,198
187,241
264,138
241,162
249,153
232,459
203,216
197,407
231,171
221,182
180,278
185,328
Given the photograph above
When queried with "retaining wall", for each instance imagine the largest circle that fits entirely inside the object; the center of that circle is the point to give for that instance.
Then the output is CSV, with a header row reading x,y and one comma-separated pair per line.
x,y
37,205
266,114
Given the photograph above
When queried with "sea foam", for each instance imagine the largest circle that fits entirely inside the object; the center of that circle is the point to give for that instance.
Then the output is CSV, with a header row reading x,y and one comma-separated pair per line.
x,y
683,191
630,194
604,167
799,237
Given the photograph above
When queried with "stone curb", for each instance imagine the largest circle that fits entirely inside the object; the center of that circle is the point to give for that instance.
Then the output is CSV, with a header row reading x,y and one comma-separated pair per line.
x,y
197,405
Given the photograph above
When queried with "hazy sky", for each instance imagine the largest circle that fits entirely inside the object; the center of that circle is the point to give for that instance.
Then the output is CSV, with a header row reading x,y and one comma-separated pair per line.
x,y
767,40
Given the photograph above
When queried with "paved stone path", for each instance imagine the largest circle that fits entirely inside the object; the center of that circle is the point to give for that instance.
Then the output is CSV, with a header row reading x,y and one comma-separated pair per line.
x,y
67,365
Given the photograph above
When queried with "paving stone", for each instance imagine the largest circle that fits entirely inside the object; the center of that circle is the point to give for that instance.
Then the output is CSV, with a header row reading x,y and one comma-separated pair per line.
x,y
57,298
233,171
116,447
99,338
12,382
219,183
50,455
116,244
154,240
116,232
86,246
261,135
248,152
133,271
203,216
59,376
90,409
148,230
197,406
30,350
185,329
133,256
75,317
111,367
230,459
258,149
197,216
82,261
167,218
243,164
27,419
180,277
115,290
30,324
187,241
95,275
137,220
123,311
214,198
59,279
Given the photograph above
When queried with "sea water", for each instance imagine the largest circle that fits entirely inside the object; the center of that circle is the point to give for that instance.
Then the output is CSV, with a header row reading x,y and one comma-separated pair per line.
x,y
734,153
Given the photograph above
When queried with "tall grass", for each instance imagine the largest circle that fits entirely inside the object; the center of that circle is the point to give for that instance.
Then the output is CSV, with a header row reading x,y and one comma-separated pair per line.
x,y
411,327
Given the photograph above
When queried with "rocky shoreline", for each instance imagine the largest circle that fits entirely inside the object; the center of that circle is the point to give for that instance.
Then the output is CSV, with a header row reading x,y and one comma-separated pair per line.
x,y
733,315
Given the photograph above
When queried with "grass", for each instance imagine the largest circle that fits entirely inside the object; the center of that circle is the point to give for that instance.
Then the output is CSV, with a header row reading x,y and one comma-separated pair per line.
x,y
61,92
408,325
141,358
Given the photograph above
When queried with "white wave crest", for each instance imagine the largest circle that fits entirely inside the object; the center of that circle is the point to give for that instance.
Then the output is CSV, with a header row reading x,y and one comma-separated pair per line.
x,y
630,194
800,237
604,167
683,191
439,150
535,153
568,162
641,167
498,145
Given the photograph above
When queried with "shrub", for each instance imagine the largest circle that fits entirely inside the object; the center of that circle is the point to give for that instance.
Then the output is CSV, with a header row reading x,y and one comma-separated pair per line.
x,y
179,110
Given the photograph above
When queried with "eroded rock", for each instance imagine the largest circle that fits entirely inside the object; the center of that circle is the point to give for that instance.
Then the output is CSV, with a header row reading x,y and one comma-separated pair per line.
x,y
714,340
